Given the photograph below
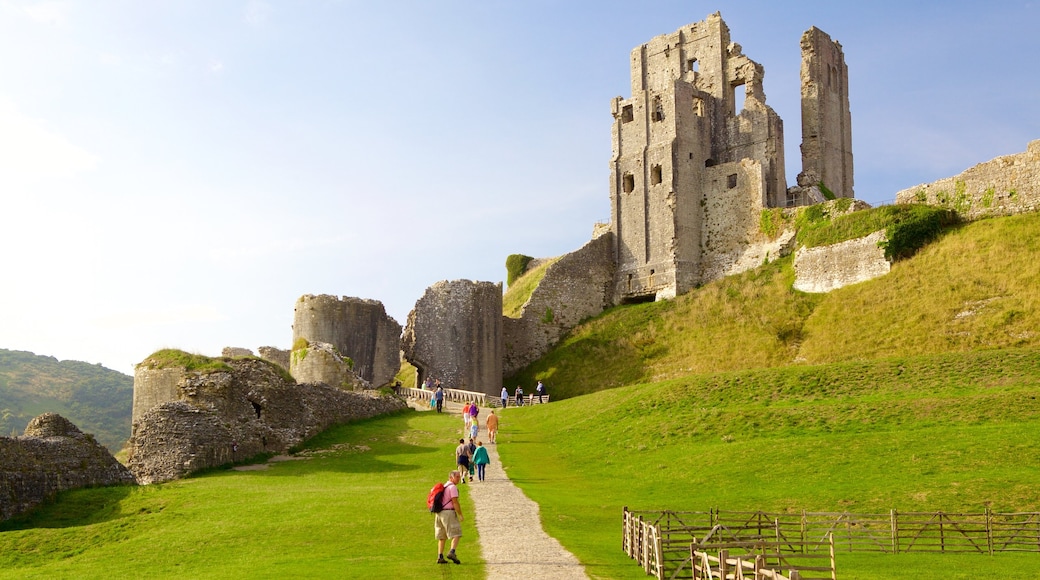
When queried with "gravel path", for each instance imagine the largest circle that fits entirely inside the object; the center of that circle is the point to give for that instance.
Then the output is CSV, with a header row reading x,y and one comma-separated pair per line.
x,y
511,537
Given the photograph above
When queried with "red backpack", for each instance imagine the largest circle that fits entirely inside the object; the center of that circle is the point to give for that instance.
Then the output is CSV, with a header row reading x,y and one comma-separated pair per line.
x,y
433,500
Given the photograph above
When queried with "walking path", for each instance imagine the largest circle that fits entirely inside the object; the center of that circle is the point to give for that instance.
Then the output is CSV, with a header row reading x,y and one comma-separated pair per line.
x,y
512,540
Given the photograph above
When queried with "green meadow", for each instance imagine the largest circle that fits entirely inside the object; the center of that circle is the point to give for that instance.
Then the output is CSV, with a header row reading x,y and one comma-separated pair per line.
x,y
915,392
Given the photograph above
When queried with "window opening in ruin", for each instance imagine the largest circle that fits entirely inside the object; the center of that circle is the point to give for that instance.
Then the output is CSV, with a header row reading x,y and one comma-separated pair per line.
x,y
657,113
698,106
626,114
738,98
628,183
655,175
692,65
630,282
732,180
641,299
709,162
256,408
650,280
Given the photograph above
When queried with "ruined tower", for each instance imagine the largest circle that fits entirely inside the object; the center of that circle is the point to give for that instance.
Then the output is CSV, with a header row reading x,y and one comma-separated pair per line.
x,y
358,328
685,155
826,118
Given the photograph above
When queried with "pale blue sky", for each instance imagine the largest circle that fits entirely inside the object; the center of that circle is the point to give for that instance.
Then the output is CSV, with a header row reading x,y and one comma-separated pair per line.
x,y
177,173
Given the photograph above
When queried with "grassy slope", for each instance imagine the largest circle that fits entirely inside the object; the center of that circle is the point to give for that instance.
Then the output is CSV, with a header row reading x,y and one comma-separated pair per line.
x,y
974,288
357,512
942,432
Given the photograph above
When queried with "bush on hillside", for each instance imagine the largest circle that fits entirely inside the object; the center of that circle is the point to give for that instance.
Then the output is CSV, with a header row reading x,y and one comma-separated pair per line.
x,y
516,265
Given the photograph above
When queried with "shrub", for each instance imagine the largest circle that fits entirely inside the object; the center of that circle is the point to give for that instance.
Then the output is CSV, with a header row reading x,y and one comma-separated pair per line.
x,y
516,265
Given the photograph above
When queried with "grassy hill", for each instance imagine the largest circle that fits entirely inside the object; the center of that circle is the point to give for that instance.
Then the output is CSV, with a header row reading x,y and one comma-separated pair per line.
x,y
96,399
976,287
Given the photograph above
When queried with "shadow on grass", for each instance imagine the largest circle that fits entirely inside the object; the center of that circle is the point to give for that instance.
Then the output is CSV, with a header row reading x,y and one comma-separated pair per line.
x,y
73,508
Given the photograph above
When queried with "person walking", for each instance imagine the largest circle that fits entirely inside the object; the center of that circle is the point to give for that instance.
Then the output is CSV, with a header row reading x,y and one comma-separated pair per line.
x,y
519,393
474,429
466,417
438,396
447,523
462,456
540,389
481,459
492,427
505,397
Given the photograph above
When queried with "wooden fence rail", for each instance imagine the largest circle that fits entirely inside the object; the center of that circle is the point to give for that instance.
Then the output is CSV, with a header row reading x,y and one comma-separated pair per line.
x,y
658,539
764,560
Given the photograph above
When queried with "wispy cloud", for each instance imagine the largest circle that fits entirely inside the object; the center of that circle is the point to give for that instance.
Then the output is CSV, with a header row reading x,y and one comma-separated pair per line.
x,y
52,13
257,12
29,147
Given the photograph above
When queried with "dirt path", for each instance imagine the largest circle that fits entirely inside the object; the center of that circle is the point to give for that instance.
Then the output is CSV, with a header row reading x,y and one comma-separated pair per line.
x,y
511,537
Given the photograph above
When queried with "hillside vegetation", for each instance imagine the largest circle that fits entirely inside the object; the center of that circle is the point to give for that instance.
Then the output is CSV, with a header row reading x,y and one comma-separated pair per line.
x,y
96,399
975,287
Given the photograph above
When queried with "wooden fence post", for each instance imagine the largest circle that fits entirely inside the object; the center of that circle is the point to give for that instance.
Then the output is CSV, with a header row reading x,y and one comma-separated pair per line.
x,y
834,570
723,563
989,531
895,531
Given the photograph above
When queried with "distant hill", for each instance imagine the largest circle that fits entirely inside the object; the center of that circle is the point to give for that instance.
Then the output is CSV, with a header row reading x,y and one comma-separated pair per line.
x,y
96,399
977,287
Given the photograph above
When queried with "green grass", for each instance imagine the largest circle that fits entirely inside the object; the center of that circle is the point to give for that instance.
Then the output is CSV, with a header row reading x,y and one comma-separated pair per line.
x,y
974,288
356,512
918,434
171,357
520,290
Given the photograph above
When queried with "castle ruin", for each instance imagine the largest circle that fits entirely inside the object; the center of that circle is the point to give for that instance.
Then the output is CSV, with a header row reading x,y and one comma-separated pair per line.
x,y
691,170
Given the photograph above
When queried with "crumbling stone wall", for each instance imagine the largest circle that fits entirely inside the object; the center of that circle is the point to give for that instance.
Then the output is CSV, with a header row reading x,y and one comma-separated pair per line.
x,y
321,362
454,334
278,356
575,287
154,386
827,268
691,169
233,351
826,117
52,455
358,328
1006,185
229,415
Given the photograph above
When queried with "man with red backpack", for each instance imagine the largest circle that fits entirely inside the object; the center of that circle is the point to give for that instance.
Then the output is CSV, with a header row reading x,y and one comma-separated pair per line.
x,y
447,523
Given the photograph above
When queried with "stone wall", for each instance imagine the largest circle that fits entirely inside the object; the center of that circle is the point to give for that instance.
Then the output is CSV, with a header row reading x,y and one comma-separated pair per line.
x,y
52,456
358,328
454,334
826,117
1002,186
321,362
575,287
230,415
154,387
827,268
278,356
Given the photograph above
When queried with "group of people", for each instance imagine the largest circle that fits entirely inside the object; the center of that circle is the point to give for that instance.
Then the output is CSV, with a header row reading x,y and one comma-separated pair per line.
x,y
518,395
470,457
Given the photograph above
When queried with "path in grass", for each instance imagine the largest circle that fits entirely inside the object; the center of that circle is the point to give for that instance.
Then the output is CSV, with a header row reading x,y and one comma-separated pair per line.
x,y
512,540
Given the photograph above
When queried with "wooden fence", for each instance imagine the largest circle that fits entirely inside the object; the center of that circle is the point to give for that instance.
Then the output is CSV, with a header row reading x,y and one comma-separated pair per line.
x,y
764,560
660,540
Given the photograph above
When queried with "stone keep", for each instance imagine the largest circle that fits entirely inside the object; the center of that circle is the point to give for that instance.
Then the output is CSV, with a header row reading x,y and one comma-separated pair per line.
x,y
826,119
358,328
454,334
691,170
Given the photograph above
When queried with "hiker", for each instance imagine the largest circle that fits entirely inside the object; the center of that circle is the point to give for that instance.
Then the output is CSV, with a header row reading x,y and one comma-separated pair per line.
x,y
474,412
474,429
447,523
492,427
438,396
481,459
505,397
462,459
471,447
540,389
465,419
519,393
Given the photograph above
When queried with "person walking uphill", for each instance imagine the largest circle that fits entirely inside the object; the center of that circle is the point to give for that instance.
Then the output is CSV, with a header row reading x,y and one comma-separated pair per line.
x,y
462,457
447,523
438,396
481,459
492,427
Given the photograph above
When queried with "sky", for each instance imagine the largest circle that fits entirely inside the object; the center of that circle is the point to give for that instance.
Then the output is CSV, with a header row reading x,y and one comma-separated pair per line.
x,y
176,173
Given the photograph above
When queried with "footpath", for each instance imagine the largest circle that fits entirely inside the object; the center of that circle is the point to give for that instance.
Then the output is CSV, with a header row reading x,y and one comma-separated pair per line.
x,y
512,540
